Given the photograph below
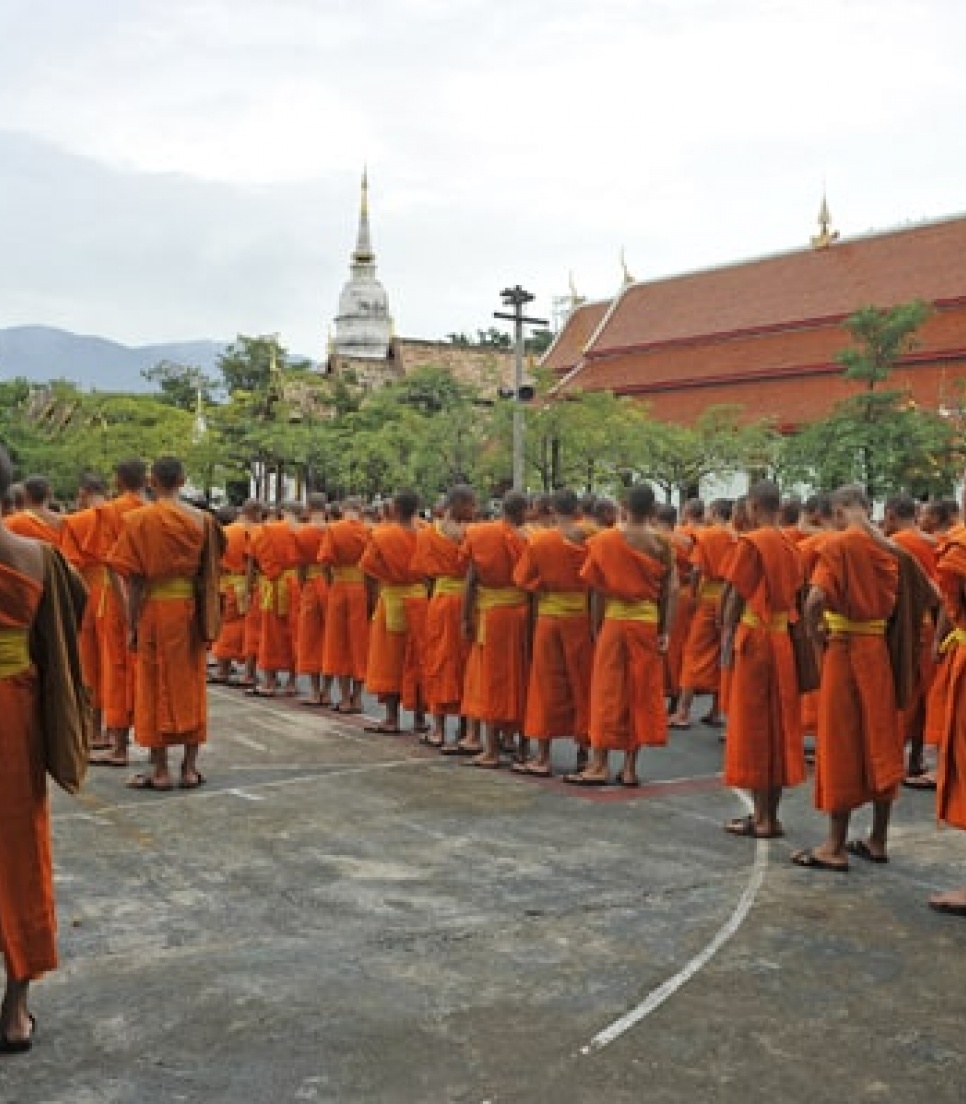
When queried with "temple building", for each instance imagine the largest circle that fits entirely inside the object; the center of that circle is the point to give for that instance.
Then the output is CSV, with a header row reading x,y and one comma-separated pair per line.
x,y
764,333
365,347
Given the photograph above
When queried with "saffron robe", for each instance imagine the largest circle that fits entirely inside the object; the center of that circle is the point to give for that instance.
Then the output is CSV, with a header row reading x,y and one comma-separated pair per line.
x,y
951,775
443,560
27,523
74,536
558,693
495,686
276,551
925,552
627,684
117,662
682,543
235,600
701,668
345,648
163,544
399,621
764,746
253,618
312,607
809,549
859,750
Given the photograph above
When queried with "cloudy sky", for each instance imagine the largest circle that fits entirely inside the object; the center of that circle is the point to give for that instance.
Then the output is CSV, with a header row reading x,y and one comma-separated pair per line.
x,y
173,169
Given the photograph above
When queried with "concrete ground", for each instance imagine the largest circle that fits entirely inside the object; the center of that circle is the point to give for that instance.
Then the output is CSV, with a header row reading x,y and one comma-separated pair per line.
x,y
339,916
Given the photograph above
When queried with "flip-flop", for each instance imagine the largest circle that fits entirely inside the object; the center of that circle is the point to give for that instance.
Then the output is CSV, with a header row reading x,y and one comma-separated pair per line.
x,y
681,725
258,692
382,729
309,704
713,722
583,780
745,826
948,908
200,780
633,784
810,861
484,766
919,782
455,749
18,1046
345,712
108,763
861,850
146,782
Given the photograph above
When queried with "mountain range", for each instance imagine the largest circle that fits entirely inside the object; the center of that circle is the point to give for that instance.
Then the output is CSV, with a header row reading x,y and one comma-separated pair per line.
x,y
42,353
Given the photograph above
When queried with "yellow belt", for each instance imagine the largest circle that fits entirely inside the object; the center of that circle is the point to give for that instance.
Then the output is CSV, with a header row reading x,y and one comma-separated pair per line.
x,y
954,639
276,594
778,622
238,584
836,623
14,652
491,598
562,603
710,588
170,589
448,585
615,609
392,598
314,572
349,573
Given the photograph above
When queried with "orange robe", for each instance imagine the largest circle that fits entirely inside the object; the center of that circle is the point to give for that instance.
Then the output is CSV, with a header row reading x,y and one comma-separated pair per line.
x,y
495,686
235,600
74,535
399,621
701,669
558,694
315,590
951,775
117,662
925,552
764,746
276,550
682,542
27,922
809,549
445,650
859,751
794,534
627,685
162,544
345,649
26,523
253,619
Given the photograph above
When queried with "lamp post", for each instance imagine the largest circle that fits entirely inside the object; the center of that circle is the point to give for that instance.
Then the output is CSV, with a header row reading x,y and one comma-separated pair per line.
x,y
517,298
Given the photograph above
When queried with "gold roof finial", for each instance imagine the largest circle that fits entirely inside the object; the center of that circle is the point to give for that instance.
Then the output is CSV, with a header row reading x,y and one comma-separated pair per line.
x,y
628,278
576,299
826,235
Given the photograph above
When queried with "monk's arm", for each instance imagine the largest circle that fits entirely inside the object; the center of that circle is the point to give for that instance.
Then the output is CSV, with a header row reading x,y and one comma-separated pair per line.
x,y
668,607
135,600
469,602
372,594
732,607
814,609
597,601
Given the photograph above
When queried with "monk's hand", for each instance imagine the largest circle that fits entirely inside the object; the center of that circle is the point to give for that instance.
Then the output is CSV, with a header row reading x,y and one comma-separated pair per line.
x,y
132,640
663,640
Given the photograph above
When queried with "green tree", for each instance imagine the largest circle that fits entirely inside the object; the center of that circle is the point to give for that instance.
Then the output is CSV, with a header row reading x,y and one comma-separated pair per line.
x,y
181,385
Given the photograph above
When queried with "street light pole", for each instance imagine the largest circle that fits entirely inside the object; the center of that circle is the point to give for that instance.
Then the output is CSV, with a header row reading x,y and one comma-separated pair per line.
x,y
517,298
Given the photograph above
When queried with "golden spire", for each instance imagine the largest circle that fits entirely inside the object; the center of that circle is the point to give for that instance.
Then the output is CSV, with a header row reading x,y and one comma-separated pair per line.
x,y
576,299
826,235
628,278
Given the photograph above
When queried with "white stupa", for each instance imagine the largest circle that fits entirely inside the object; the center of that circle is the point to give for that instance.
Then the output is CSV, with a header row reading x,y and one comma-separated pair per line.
x,y
363,326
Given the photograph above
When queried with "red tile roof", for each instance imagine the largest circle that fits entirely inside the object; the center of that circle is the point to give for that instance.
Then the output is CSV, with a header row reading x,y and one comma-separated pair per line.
x,y
568,346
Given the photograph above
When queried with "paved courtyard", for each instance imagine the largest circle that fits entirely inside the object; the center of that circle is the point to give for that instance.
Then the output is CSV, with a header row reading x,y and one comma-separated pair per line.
x,y
339,916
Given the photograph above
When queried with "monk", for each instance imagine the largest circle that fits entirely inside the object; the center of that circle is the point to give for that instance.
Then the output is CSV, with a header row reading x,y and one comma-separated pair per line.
x,y
606,513
701,665
496,618
276,552
558,693
229,648
682,543
36,520
633,593
74,533
441,559
539,513
117,661
764,752
791,518
315,590
345,647
398,599
951,779
859,754
164,552
253,514
900,525
38,594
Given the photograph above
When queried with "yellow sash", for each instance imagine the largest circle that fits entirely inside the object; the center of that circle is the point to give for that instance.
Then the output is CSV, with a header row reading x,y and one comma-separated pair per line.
x,y
836,623
491,598
710,589
170,589
562,603
276,594
14,652
615,609
237,584
777,623
393,602
349,573
954,639
448,586
314,572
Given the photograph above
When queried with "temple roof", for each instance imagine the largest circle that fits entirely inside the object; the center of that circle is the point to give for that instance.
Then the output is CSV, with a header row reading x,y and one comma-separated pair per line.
x,y
569,344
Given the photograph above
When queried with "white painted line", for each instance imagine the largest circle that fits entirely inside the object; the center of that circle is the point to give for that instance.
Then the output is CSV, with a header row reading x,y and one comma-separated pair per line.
x,y
665,991
246,741
246,796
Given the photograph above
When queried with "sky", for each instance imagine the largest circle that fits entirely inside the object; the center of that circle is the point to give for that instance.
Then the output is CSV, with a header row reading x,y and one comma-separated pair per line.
x,y
179,169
